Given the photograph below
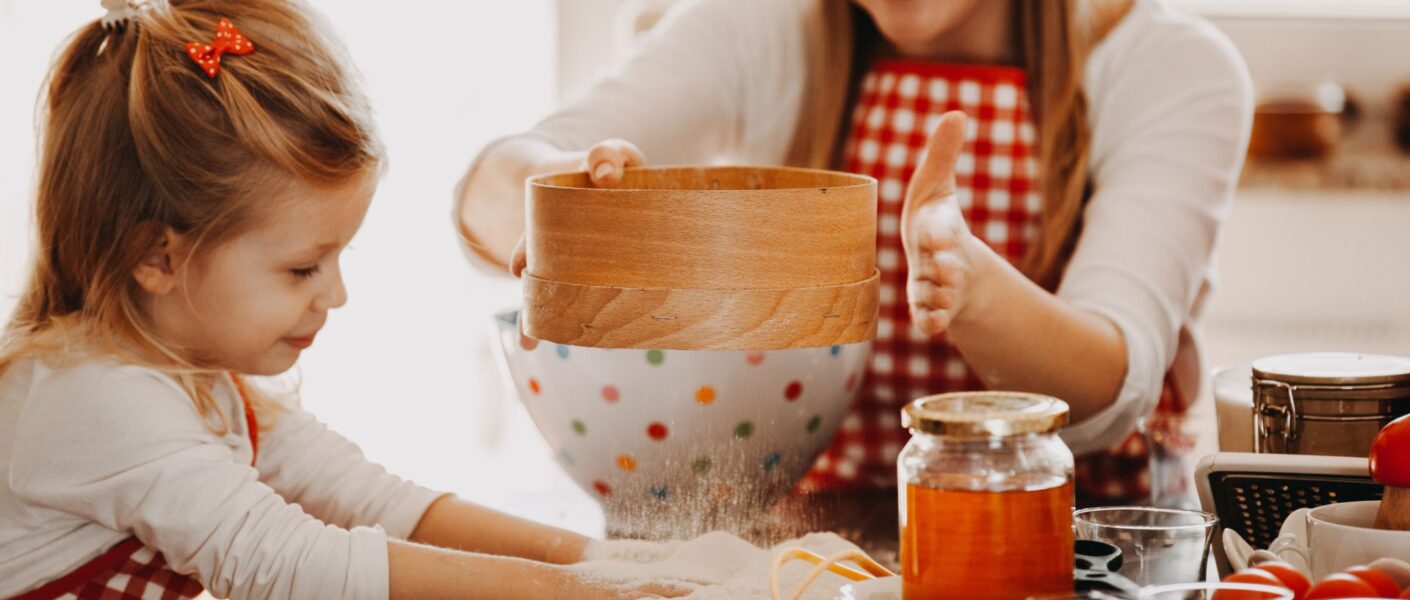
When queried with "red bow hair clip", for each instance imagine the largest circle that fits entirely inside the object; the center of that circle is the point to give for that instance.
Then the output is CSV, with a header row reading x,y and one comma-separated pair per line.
x,y
227,39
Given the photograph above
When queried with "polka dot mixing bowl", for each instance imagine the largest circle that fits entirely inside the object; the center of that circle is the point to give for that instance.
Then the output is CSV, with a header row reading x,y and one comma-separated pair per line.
x,y
674,443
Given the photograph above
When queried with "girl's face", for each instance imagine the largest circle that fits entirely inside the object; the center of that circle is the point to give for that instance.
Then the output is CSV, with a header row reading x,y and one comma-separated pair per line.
x,y
255,302
914,26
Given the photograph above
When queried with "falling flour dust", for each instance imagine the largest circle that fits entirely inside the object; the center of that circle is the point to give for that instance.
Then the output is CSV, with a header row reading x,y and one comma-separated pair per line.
x,y
722,565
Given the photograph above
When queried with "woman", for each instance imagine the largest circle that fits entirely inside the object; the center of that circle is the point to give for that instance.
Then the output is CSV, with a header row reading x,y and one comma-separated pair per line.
x,y
1059,242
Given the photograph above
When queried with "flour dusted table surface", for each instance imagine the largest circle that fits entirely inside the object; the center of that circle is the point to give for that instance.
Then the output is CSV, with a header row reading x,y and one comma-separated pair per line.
x,y
866,518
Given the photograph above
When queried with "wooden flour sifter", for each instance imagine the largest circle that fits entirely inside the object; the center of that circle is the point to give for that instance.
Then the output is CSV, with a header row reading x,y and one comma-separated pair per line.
x,y
702,258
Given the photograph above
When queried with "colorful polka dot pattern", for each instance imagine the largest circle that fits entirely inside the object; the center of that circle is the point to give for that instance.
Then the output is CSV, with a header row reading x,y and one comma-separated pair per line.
x,y
705,396
794,391
626,463
702,465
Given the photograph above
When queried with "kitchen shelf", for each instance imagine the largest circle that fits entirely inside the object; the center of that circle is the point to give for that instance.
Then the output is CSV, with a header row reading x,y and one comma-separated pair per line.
x,y
1367,159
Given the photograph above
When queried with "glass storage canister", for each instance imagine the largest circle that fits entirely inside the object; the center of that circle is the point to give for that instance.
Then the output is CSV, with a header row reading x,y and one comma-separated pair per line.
x,y
1326,403
986,497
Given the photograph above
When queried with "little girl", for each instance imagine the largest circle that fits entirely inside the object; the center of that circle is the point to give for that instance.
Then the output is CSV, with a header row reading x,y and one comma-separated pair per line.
x,y
203,165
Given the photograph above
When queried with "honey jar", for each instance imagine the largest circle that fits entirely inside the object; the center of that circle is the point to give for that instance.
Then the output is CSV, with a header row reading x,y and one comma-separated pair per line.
x,y
986,497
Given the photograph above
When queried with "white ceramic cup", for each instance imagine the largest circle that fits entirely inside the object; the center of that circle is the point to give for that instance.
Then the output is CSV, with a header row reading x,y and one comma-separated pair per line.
x,y
1340,536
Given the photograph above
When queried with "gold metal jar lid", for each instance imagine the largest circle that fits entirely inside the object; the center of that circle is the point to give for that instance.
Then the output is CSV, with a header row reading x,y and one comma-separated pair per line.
x,y
985,414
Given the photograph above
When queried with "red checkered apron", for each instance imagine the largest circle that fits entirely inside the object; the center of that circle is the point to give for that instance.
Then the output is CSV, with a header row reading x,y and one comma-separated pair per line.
x,y
997,172
131,570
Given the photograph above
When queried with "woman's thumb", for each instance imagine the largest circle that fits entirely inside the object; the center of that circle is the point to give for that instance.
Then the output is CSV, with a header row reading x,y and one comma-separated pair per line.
x,y
935,173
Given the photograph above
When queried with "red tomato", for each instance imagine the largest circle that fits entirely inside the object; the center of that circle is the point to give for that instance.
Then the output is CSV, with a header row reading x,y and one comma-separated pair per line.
x,y
1341,585
1389,451
1250,575
1385,586
1405,595
1292,578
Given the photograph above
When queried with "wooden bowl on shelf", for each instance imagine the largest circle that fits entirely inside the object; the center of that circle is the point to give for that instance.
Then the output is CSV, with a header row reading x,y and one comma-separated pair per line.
x,y
698,258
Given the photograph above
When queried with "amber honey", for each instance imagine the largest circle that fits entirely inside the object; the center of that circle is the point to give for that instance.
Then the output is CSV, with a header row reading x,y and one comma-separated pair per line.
x,y
980,545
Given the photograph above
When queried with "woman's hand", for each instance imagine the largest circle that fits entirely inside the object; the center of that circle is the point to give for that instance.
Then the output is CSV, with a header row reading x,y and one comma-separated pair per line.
x,y
608,160
946,262
605,164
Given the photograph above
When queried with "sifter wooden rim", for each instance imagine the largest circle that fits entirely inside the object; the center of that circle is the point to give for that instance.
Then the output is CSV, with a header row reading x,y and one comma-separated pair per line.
x,y
664,227
702,258
700,319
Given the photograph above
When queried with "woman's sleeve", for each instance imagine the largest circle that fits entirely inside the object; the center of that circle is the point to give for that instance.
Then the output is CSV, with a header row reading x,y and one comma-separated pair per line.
x,y
311,465
1171,115
714,81
124,448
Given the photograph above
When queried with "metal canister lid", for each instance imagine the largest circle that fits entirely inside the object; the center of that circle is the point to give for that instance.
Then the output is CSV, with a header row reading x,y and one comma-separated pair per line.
x,y
1334,368
985,414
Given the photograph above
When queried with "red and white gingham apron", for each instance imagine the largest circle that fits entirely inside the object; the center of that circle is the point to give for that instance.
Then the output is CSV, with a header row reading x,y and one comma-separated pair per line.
x,y
131,570
997,173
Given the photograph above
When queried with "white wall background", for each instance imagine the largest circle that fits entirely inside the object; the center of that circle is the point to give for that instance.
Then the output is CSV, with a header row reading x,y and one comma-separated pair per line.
x,y
405,368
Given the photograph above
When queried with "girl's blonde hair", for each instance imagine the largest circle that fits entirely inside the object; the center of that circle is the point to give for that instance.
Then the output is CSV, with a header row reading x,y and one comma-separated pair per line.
x,y
1054,38
136,138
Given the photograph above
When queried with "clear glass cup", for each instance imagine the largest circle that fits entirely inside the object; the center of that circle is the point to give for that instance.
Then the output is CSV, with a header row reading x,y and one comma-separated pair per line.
x,y
1158,545
1207,590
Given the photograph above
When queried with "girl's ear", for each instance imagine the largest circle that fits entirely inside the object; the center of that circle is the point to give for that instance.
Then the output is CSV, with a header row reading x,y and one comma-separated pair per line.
x,y
156,272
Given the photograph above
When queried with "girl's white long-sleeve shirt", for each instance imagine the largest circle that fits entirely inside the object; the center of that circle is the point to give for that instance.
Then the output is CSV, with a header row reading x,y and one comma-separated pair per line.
x,y
1169,107
92,452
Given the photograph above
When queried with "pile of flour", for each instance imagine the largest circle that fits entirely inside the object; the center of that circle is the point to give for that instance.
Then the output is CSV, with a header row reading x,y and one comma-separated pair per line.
x,y
726,567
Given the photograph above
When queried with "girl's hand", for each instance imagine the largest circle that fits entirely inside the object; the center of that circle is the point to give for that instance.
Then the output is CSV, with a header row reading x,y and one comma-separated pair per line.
x,y
946,262
605,164
637,551
579,585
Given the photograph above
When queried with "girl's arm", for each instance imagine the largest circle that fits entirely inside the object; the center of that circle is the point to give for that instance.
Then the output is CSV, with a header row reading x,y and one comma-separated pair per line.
x,y
328,475
454,523
426,573
122,448
311,465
